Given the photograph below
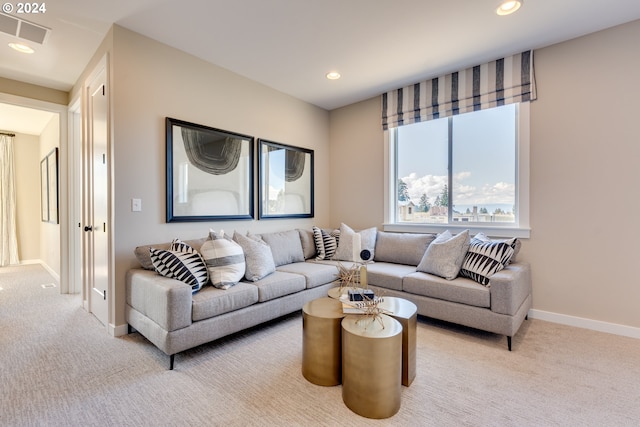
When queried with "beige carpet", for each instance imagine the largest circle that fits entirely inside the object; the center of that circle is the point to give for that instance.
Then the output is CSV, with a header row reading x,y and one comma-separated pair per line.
x,y
60,368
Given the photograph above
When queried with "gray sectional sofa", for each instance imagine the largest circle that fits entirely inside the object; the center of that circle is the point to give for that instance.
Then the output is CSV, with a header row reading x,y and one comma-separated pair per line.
x,y
170,315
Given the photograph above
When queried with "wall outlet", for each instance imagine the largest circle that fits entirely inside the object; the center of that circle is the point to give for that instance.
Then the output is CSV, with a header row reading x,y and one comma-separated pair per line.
x,y
136,205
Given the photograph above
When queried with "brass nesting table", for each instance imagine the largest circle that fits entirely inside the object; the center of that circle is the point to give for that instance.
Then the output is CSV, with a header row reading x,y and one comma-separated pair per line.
x,y
371,361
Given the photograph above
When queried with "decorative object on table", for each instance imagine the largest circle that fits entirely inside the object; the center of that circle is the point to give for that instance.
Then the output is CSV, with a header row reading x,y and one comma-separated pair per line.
x,y
360,294
209,173
285,175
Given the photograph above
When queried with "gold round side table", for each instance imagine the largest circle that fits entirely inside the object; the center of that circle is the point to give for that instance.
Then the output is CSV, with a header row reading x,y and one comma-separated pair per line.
x,y
321,341
371,365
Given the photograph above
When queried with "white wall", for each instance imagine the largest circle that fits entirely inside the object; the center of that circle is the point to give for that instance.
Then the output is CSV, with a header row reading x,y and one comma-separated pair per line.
x,y
27,166
584,176
50,232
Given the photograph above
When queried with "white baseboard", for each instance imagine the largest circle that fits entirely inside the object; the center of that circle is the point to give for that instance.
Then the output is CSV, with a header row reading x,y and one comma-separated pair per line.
x,y
119,330
580,322
43,264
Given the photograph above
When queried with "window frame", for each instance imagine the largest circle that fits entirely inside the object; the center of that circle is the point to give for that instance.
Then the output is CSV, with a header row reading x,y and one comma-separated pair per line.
x,y
520,228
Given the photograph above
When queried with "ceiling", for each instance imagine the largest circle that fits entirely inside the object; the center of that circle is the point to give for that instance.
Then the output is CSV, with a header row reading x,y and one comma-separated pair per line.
x,y
290,45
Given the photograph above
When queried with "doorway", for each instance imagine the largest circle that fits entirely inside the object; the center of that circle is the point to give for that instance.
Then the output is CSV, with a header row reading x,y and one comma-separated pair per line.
x,y
38,128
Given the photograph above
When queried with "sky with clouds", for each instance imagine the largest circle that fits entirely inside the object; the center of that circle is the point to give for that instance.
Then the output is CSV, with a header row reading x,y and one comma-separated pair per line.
x,y
483,158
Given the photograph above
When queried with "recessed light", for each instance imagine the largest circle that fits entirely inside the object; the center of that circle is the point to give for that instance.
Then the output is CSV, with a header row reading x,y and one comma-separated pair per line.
x,y
21,47
334,75
507,7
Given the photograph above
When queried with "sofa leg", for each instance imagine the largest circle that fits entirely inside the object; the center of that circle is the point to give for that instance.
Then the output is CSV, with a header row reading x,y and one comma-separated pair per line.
x,y
171,359
509,343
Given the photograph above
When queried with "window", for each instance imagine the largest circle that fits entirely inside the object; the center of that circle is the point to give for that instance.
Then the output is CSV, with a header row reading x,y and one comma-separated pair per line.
x,y
468,170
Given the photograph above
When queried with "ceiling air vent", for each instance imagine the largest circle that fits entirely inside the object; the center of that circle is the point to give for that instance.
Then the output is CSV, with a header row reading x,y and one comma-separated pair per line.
x,y
24,29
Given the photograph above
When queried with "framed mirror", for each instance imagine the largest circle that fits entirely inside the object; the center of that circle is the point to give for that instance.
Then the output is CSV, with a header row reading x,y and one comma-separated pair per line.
x,y
209,173
285,181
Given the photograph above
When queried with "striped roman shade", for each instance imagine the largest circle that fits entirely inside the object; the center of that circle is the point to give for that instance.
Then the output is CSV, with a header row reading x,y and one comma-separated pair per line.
x,y
504,81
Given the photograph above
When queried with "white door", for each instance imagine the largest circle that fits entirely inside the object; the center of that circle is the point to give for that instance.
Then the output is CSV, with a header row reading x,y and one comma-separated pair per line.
x,y
96,242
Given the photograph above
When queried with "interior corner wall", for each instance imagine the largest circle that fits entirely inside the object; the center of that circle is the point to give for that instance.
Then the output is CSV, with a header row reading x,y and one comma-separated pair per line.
x,y
152,81
27,166
50,232
357,164
584,175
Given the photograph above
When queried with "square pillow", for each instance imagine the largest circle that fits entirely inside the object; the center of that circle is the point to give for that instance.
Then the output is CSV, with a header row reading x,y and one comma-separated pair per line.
x,y
513,242
224,259
352,243
326,242
257,256
308,243
285,246
485,259
444,256
184,264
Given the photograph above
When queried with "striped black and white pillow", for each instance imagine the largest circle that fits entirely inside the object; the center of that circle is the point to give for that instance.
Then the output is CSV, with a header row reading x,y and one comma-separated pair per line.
x,y
186,266
224,259
484,259
326,243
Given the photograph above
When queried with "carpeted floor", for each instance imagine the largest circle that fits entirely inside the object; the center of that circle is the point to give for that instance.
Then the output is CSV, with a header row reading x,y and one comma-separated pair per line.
x,y
58,367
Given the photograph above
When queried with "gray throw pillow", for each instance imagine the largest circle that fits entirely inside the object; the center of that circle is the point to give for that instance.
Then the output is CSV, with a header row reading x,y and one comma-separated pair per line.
x,y
445,255
285,246
257,256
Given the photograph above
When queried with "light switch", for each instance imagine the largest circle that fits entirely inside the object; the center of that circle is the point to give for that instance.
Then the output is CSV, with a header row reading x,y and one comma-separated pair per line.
x,y
136,205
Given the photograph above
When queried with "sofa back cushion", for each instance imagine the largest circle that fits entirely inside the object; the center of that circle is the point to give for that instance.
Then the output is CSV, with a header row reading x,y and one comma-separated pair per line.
x,y
401,248
285,246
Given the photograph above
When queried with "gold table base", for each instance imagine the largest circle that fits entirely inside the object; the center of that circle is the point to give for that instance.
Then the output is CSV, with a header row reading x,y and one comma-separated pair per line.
x,y
321,341
371,365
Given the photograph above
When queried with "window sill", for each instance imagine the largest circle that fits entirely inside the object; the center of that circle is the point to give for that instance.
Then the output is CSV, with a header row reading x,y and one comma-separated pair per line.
x,y
489,230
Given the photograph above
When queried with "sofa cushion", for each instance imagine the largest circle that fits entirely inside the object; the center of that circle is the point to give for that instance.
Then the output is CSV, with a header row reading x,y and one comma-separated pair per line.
x,y
445,254
142,252
484,259
224,259
460,290
388,275
348,250
279,284
187,267
402,248
308,243
315,273
257,256
211,302
326,242
285,246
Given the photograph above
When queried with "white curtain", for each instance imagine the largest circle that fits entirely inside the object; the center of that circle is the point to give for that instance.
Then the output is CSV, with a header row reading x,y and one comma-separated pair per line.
x,y
8,237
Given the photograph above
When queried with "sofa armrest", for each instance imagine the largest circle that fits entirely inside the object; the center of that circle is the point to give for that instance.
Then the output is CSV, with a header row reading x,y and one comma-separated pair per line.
x,y
165,301
510,287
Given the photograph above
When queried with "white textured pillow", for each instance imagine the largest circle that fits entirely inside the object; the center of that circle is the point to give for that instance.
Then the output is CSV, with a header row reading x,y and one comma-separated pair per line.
x,y
224,259
346,250
257,256
444,256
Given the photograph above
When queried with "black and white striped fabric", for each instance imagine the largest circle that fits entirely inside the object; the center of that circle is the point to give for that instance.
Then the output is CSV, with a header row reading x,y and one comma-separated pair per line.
x,y
326,243
186,266
484,259
504,81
